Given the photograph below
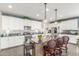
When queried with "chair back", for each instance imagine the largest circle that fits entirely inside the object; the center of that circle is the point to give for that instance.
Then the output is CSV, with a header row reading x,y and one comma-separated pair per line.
x,y
60,41
65,39
51,44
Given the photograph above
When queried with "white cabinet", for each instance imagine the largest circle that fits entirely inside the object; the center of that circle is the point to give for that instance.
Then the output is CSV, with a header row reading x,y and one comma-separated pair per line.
x,y
12,23
11,41
4,42
15,41
27,22
20,40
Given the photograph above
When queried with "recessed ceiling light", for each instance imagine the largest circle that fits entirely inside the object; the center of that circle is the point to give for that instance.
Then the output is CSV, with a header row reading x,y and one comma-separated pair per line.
x,y
60,16
10,6
50,18
37,14
56,23
47,9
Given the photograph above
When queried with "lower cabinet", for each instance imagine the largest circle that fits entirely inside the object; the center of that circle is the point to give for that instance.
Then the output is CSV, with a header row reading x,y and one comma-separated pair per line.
x,y
4,42
7,42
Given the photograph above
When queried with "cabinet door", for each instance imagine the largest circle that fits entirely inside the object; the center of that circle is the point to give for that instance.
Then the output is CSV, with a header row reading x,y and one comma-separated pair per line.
x,y
20,40
7,42
4,42
11,41
15,41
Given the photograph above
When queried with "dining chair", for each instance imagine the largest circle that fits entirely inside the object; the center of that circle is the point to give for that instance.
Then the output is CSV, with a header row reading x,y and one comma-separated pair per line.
x,y
49,49
59,42
65,43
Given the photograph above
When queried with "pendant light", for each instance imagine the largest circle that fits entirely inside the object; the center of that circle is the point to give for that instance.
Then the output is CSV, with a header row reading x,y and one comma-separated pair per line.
x,y
56,16
45,5
45,20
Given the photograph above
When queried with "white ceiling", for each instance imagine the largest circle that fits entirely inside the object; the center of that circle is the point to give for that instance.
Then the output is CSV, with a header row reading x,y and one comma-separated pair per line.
x,y
31,9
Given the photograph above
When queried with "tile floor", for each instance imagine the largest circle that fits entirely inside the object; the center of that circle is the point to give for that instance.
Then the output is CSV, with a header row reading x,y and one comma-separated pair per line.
x,y
73,50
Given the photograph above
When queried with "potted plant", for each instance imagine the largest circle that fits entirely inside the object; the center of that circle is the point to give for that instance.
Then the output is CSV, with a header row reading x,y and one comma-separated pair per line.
x,y
40,38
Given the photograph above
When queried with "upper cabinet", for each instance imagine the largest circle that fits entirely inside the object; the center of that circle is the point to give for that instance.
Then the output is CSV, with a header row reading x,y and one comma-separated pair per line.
x,y
12,23
35,25
69,24
26,22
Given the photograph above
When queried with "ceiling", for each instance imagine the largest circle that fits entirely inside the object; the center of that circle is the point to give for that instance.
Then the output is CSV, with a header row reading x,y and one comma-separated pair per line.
x,y
36,10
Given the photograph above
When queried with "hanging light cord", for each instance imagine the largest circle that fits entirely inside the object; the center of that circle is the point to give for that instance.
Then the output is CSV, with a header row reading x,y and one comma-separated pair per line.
x,y
45,10
55,14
